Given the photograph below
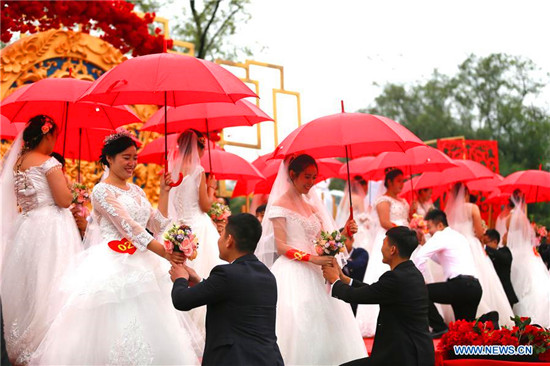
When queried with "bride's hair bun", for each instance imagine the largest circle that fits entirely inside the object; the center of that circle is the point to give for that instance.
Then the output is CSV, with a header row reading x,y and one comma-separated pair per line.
x,y
301,163
35,130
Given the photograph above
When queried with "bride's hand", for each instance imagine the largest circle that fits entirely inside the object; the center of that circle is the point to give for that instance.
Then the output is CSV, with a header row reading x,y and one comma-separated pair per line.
x,y
175,257
320,260
165,184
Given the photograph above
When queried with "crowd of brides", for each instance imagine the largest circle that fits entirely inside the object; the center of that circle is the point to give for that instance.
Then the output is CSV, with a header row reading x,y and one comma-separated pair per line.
x,y
70,299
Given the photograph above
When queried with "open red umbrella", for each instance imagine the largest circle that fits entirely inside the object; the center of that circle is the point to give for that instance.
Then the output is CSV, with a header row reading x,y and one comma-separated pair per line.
x,y
328,168
410,189
465,171
167,79
413,161
153,152
214,115
8,130
58,98
485,185
347,135
226,165
535,184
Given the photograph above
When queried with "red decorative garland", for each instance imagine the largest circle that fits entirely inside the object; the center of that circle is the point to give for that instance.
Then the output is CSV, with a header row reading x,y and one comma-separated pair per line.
x,y
123,28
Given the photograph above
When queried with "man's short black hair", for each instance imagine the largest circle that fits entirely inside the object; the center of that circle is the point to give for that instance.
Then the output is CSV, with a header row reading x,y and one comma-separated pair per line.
x,y
261,209
437,216
404,239
493,235
246,230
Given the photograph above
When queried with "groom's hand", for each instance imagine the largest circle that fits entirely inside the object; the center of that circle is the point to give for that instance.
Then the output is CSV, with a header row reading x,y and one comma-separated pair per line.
x,y
331,271
194,278
178,271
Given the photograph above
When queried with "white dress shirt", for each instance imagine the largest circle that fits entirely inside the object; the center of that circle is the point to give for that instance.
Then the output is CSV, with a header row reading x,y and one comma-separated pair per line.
x,y
449,249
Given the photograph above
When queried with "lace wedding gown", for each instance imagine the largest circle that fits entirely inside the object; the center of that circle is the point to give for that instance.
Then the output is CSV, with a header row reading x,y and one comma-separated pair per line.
x,y
45,240
184,203
313,328
367,315
493,297
118,309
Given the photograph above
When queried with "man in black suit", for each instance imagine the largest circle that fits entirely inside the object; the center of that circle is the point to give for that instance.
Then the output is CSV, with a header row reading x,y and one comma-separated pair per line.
x,y
402,336
241,299
356,265
502,261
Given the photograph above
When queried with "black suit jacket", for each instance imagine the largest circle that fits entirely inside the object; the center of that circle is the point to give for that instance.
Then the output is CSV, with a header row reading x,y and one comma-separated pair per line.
x,y
502,261
402,336
241,300
356,267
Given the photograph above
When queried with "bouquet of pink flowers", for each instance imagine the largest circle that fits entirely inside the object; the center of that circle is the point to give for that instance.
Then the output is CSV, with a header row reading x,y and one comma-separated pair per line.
x,y
81,197
180,238
219,212
418,223
329,243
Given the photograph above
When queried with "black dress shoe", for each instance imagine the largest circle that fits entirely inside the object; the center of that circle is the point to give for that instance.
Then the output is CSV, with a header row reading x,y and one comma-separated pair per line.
x,y
437,334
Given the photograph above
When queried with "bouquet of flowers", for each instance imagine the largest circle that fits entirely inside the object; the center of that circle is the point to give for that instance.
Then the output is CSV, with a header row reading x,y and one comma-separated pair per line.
x,y
219,212
329,243
418,223
180,238
540,232
81,197
462,332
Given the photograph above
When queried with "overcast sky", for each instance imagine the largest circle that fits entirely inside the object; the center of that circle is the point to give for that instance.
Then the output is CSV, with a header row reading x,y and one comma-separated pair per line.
x,y
339,49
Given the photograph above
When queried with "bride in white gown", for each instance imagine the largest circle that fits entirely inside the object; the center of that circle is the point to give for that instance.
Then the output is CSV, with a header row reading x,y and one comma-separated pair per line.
x,y
465,218
529,275
191,200
38,243
312,327
390,211
118,309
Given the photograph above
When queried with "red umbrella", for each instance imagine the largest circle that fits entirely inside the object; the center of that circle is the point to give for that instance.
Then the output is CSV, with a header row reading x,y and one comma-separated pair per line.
x,y
167,79
535,184
485,185
58,98
226,165
347,135
8,130
437,191
328,168
413,161
467,170
214,115
153,152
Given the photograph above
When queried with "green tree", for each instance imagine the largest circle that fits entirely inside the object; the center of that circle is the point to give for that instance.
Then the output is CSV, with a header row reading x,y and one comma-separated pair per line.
x,y
208,24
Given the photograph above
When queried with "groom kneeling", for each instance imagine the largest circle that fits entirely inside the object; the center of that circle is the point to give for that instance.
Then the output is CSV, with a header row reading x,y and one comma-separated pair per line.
x,y
402,336
241,299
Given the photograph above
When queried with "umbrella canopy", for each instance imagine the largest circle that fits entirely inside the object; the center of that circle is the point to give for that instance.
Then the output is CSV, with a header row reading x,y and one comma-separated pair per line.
x,y
413,161
328,168
226,165
410,186
465,171
485,185
167,79
351,134
153,152
8,130
217,115
535,184
58,98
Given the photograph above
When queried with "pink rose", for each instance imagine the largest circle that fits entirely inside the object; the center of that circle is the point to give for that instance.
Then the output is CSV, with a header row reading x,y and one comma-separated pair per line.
x,y
319,250
168,246
187,247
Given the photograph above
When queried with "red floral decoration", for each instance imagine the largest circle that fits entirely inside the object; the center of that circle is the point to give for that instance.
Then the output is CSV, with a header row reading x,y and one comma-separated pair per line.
x,y
466,333
121,27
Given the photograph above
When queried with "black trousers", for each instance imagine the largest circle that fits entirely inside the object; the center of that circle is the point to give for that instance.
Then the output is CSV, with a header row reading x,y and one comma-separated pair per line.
x,y
463,293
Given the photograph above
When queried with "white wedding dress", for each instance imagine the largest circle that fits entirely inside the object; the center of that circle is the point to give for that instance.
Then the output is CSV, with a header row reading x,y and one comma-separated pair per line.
x,y
367,315
118,309
493,297
184,206
529,275
43,241
313,328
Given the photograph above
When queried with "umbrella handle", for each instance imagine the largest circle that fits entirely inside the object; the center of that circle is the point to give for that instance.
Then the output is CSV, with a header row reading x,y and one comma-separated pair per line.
x,y
115,84
180,179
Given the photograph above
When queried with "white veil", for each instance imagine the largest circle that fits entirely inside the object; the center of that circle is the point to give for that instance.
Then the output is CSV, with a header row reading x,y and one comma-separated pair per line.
x,y
8,199
266,251
456,211
520,233
183,159
358,195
